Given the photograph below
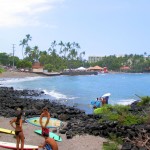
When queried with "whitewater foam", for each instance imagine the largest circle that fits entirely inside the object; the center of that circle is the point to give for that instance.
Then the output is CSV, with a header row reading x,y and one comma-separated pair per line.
x,y
7,81
58,95
125,101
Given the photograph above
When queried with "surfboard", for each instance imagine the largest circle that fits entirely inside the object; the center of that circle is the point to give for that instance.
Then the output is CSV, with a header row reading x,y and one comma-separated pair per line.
x,y
53,123
96,103
106,95
10,145
51,135
7,131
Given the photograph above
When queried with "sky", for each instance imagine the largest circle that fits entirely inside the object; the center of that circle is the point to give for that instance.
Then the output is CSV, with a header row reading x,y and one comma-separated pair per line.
x,y
101,27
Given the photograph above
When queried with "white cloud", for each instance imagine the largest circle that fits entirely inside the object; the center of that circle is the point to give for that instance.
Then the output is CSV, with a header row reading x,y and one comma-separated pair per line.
x,y
24,12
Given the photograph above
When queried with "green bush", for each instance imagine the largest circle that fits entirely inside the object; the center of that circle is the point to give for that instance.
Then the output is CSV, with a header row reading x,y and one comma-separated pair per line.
x,y
49,67
104,109
110,146
113,143
144,101
119,113
131,119
1,70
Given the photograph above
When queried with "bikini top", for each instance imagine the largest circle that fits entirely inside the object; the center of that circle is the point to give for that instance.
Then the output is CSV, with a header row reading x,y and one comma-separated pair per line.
x,y
17,122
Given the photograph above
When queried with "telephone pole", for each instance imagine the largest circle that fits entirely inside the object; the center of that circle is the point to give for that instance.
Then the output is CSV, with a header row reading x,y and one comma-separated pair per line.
x,y
13,54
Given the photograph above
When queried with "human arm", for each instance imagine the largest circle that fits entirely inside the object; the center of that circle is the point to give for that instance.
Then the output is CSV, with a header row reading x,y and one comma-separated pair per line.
x,y
48,118
11,123
40,120
42,145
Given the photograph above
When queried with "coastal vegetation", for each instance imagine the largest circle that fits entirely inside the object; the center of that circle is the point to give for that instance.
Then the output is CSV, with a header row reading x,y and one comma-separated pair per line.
x,y
120,113
125,116
136,63
136,114
113,143
68,55
1,70
144,101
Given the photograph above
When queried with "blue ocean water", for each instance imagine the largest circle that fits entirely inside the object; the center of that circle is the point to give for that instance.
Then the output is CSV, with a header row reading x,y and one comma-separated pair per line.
x,y
79,91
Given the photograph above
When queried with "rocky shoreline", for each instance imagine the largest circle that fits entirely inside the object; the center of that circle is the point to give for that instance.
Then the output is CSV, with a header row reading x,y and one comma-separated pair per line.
x,y
77,122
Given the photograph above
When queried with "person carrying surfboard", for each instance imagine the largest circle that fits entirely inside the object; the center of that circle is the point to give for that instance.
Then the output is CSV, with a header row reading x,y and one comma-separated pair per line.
x,y
45,113
49,144
18,130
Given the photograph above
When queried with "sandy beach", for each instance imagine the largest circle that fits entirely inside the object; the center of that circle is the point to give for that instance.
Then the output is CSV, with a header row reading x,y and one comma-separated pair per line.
x,y
14,74
83,142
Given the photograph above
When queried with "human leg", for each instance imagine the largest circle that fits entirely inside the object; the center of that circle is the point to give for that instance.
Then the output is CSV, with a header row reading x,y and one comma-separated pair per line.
x,y
21,136
17,142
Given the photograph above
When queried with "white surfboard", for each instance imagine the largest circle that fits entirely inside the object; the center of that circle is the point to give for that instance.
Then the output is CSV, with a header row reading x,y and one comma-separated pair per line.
x,y
10,145
107,94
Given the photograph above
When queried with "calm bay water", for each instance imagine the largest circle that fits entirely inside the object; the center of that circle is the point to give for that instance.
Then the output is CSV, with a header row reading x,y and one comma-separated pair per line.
x,y
81,90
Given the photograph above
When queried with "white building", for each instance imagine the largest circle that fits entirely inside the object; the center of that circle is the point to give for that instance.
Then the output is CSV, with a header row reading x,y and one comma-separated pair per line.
x,y
93,59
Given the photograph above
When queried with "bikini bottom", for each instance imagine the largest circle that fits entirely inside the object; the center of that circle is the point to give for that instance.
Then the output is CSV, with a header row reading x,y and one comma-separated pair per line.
x,y
17,132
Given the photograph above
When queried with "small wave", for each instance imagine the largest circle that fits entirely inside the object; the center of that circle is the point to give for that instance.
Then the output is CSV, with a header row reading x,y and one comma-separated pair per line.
x,y
57,95
16,80
126,101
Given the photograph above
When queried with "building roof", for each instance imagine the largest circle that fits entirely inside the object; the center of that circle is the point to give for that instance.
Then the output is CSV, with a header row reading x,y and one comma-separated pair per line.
x,y
37,65
125,68
95,68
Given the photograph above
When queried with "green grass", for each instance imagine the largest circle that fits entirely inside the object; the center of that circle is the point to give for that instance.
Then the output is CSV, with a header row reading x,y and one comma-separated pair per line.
x,y
1,70
110,146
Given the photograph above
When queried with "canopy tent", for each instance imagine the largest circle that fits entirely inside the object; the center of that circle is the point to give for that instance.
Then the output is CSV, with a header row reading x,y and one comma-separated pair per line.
x,y
81,68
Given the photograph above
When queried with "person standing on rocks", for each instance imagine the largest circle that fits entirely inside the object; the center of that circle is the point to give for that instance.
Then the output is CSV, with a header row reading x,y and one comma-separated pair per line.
x,y
43,124
18,130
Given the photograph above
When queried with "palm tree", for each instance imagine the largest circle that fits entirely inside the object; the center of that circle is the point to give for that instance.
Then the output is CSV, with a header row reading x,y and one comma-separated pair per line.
x,y
43,53
53,44
61,44
36,53
23,43
52,47
27,50
76,45
28,38
82,53
67,48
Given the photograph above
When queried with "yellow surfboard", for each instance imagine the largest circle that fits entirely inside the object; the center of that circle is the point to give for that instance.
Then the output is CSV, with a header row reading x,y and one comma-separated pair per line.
x,y
7,131
53,123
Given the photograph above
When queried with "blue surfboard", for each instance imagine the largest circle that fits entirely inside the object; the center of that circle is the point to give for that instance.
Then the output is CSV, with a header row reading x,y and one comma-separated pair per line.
x,y
96,103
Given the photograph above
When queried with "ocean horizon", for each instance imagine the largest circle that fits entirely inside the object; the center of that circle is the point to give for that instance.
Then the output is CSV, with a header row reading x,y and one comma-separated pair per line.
x,y
79,91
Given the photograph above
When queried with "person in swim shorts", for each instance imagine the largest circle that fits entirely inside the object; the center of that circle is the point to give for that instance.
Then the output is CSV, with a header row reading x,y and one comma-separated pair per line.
x,y
45,113
49,144
18,130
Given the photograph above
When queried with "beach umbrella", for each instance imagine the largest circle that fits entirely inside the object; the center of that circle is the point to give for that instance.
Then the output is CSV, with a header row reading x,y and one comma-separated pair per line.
x,y
107,94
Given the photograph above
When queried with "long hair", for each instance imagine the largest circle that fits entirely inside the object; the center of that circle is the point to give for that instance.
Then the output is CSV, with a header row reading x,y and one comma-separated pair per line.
x,y
19,114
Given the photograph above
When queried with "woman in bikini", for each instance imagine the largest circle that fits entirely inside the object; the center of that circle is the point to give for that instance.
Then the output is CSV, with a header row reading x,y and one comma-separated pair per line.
x,y
18,130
